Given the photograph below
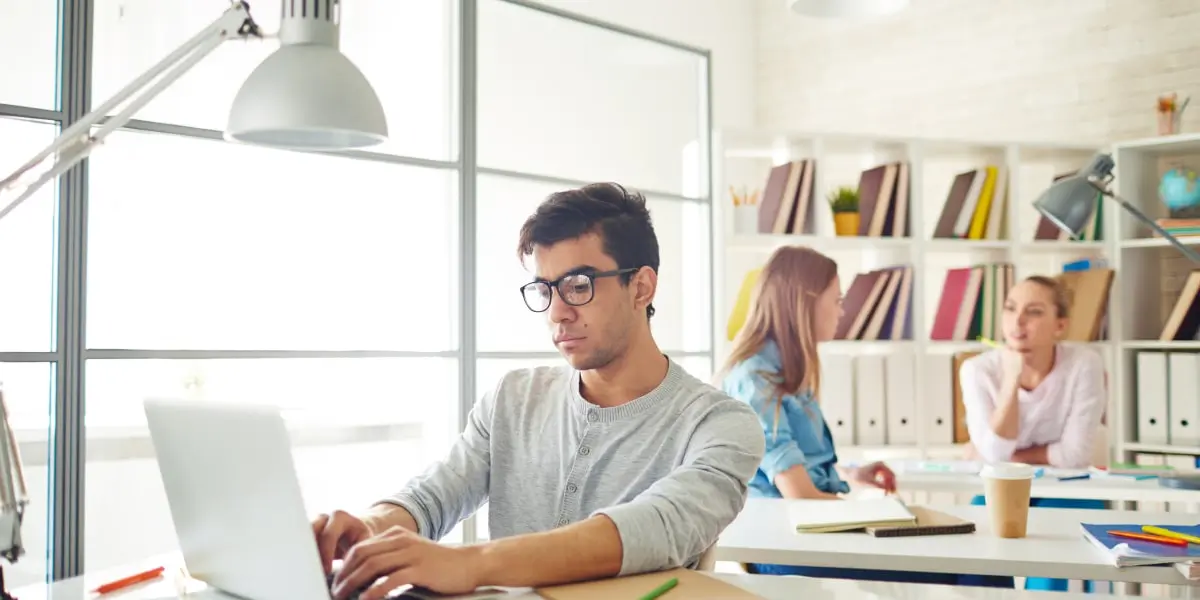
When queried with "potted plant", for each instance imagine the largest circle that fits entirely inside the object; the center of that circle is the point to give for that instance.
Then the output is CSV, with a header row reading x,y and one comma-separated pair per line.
x,y
844,202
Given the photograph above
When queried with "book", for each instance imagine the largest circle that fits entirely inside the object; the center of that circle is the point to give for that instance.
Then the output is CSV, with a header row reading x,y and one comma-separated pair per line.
x,y
1124,552
830,516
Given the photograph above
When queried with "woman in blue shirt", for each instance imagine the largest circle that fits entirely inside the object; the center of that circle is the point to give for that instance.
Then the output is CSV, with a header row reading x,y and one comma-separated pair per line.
x,y
775,368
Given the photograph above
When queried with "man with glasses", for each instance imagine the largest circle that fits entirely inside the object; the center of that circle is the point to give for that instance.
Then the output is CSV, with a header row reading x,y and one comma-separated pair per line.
x,y
618,463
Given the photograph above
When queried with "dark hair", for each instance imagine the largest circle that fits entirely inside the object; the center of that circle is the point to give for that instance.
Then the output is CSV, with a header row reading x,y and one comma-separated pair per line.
x,y
619,216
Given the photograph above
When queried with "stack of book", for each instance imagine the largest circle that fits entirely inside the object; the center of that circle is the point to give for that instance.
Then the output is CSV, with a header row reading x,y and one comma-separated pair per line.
x,y
878,306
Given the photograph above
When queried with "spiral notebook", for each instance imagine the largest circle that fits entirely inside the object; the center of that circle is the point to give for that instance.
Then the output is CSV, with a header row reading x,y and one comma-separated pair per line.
x,y
929,522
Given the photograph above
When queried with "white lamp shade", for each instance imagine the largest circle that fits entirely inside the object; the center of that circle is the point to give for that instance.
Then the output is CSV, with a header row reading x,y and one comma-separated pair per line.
x,y
846,8
307,97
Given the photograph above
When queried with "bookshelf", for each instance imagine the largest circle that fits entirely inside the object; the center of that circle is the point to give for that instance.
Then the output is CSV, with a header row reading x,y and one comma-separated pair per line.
x,y
742,160
1150,279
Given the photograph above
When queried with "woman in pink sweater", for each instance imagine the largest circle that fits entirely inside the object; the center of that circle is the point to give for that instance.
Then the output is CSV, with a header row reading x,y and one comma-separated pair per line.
x,y
1035,400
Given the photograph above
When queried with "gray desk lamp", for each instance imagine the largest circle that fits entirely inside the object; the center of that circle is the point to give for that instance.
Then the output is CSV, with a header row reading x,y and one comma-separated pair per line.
x,y
1069,203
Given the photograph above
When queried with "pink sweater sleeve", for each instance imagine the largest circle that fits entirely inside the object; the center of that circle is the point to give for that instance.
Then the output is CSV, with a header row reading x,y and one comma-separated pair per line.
x,y
978,391
1088,399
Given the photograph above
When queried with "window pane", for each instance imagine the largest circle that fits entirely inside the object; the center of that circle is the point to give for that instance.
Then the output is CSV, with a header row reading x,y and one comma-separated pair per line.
x,y
562,98
28,393
29,38
416,92
266,249
682,304
27,239
360,429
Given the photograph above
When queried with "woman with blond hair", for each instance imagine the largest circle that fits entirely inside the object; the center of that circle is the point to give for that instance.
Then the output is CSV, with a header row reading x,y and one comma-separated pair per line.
x,y
1036,400
774,367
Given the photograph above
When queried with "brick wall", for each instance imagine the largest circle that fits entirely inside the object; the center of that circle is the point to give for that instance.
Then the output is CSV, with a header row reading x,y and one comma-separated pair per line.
x,y
1085,70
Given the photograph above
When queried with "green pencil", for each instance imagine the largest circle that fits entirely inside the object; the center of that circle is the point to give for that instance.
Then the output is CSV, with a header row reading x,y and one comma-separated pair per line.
x,y
662,589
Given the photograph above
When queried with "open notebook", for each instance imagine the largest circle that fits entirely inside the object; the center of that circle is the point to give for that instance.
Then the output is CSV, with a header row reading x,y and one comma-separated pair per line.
x,y
827,516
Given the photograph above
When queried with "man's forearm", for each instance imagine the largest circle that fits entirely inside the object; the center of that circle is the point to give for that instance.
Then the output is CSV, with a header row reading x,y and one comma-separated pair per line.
x,y
1033,455
590,549
384,516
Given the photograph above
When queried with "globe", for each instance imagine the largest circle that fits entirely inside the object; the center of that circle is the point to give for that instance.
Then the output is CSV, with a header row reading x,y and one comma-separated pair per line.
x,y
1178,189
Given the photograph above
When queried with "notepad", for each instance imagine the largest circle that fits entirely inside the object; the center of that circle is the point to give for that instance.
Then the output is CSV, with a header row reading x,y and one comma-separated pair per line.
x,y
828,516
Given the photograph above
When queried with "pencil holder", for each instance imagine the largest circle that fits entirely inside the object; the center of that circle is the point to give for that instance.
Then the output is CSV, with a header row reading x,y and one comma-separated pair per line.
x,y
745,219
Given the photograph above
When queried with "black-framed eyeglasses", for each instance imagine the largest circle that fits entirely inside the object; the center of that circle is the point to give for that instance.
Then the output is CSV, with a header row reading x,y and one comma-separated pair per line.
x,y
575,289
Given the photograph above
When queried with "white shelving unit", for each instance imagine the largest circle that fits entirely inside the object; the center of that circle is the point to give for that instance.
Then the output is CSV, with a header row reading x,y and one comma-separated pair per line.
x,y
742,160
1145,265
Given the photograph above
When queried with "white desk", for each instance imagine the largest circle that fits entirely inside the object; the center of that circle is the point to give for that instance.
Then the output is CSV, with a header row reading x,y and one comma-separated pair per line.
x,y
1054,547
1110,488
766,586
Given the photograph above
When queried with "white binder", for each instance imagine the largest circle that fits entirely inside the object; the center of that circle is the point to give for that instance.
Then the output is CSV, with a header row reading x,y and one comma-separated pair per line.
x,y
837,397
870,401
1183,398
1152,416
901,404
938,400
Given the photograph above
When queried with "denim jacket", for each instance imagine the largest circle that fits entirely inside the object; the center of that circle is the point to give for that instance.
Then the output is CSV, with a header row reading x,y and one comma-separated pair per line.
x,y
801,436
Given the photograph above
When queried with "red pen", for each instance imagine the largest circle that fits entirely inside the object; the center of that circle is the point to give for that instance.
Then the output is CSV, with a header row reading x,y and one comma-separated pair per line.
x,y
1146,537
125,582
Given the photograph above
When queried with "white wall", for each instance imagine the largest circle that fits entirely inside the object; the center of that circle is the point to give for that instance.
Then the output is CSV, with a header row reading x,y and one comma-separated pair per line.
x,y
1062,70
126,513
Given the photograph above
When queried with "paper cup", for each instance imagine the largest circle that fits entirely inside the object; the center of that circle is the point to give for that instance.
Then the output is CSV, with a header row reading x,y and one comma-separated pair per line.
x,y
1006,488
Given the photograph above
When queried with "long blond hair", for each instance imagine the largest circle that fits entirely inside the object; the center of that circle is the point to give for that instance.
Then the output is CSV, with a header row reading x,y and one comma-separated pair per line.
x,y
782,310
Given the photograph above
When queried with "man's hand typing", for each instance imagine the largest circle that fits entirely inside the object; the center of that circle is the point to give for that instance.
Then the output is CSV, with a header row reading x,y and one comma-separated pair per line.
x,y
395,557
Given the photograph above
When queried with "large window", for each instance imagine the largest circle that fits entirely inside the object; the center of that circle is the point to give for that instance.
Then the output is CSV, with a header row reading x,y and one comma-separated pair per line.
x,y
328,283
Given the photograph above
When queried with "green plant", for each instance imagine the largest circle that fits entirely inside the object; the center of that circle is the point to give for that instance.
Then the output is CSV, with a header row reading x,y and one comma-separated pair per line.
x,y
844,200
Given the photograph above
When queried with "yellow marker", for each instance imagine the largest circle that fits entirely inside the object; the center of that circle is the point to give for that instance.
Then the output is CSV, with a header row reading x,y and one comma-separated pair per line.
x,y
1171,534
990,343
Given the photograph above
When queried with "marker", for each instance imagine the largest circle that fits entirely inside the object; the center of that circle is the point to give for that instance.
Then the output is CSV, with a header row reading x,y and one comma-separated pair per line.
x,y
662,589
1148,538
1171,534
123,583
1075,477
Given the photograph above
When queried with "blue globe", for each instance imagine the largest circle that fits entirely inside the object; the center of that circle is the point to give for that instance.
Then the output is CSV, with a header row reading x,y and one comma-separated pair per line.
x,y
1178,189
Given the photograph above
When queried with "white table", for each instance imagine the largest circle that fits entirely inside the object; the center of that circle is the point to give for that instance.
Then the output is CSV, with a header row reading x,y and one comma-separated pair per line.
x,y
1107,488
1055,546
768,587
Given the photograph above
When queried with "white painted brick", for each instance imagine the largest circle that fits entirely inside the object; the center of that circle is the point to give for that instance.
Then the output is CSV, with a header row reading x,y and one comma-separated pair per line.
x,y
1081,70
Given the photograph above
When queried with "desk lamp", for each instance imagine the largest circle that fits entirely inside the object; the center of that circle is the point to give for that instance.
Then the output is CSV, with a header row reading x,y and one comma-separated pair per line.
x,y
305,96
1069,203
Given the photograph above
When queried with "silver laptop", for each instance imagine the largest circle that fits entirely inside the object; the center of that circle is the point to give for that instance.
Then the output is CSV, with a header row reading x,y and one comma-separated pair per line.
x,y
235,499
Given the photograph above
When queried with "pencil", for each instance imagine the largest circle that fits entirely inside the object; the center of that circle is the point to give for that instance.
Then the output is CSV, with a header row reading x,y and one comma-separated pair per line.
x,y
662,589
1146,537
1171,534
123,583
990,343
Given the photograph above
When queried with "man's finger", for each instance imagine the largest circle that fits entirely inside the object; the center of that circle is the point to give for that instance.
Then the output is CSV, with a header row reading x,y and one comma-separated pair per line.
x,y
370,548
361,575
326,531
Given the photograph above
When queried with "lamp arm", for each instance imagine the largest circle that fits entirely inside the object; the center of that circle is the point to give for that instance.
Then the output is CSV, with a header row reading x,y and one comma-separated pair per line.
x,y
78,140
1187,251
